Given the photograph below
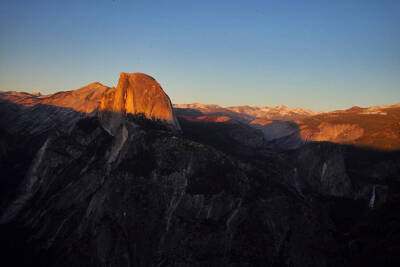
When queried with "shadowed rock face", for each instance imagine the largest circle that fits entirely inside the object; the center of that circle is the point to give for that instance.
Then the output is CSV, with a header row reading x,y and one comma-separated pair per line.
x,y
137,93
164,201
274,129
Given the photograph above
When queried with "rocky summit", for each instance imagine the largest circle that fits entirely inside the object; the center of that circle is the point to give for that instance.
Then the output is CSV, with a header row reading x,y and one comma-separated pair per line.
x,y
137,94
103,176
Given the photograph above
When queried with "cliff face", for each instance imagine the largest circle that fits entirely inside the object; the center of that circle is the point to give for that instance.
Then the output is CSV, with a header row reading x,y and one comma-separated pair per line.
x,y
136,94
337,133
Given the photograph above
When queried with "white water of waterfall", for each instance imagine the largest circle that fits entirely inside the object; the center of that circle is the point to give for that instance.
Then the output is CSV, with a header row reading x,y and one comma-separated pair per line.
x,y
372,200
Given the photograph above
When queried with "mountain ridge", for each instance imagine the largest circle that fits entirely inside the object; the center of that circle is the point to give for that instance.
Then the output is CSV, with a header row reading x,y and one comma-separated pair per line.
x,y
197,105
281,125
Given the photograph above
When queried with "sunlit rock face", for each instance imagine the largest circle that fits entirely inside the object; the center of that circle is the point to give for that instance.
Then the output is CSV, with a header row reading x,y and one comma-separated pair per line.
x,y
85,99
137,93
338,133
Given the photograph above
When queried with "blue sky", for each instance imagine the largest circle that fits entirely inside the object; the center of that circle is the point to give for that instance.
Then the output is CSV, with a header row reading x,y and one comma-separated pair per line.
x,y
320,55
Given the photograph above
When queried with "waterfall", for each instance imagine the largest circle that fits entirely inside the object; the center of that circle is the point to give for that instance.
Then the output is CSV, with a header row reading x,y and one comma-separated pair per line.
x,y
372,200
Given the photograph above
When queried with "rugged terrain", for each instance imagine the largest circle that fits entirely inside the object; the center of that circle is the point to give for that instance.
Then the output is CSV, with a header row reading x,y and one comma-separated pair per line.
x,y
374,127
105,176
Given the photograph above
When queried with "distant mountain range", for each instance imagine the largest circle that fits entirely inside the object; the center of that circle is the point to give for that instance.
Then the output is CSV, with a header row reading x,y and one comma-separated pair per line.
x,y
377,127
248,112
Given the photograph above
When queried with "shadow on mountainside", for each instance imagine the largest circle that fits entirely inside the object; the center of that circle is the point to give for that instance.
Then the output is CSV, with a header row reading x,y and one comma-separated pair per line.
x,y
375,132
306,199
343,178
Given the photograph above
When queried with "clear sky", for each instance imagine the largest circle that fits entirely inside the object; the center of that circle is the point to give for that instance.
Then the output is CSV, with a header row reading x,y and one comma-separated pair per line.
x,y
320,55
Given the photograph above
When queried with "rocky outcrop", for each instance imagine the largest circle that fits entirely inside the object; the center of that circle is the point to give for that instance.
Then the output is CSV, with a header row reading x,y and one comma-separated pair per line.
x,y
321,168
136,94
337,133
